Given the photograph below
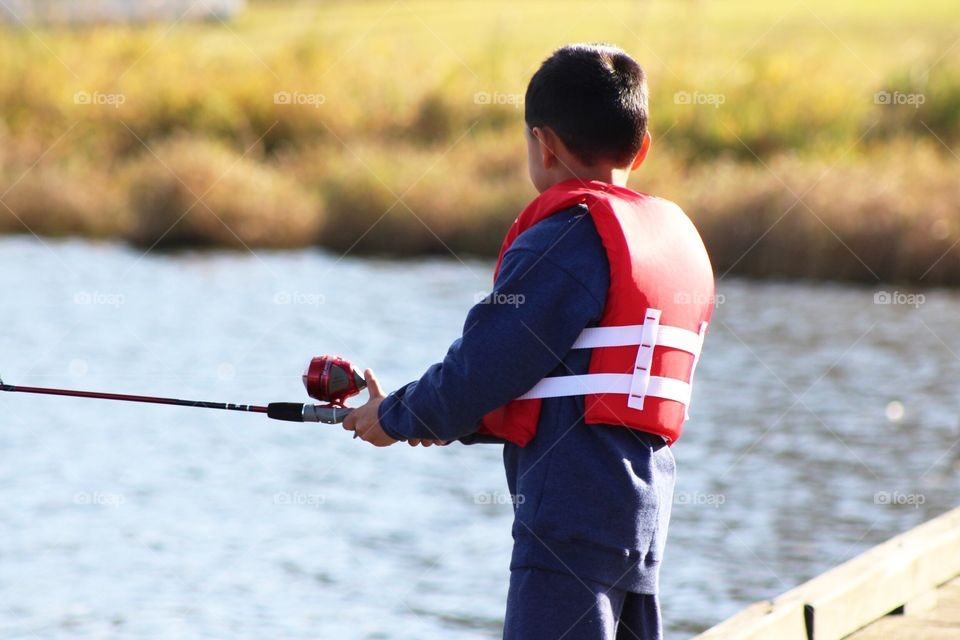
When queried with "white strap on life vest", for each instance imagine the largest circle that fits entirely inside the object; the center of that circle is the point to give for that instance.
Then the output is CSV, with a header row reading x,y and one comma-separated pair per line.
x,y
640,384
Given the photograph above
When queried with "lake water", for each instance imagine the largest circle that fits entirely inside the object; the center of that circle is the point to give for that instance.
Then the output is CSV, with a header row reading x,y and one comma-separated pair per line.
x,y
823,423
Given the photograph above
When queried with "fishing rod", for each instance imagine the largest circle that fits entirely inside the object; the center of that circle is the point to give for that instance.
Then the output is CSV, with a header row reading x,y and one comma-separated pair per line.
x,y
330,379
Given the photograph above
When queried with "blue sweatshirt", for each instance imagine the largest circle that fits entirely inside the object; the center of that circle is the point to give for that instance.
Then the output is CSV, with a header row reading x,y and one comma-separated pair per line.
x,y
591,500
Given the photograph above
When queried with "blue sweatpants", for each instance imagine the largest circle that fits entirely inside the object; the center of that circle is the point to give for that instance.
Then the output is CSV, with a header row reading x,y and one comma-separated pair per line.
x,y
546,605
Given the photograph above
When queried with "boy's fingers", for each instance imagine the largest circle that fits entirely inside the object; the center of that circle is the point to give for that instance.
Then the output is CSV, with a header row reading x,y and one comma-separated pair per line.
x,y
349,423
413,442
373,385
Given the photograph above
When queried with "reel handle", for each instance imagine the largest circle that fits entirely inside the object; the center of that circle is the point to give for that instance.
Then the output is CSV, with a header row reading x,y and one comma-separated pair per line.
x,y
298,412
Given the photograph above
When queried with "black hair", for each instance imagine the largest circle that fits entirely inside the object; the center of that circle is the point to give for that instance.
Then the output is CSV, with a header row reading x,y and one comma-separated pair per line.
x,y
594,96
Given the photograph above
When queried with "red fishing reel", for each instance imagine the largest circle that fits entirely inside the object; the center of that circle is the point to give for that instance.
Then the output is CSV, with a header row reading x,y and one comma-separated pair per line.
x,y
332,379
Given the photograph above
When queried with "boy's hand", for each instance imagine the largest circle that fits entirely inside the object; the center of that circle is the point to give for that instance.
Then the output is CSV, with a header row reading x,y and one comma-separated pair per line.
x,y
365,421
427,443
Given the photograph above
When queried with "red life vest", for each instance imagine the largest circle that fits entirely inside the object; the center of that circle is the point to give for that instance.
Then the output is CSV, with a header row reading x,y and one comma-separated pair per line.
x,y
649,338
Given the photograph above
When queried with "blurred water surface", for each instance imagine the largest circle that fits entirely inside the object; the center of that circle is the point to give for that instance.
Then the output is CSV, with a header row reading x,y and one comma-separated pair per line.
x,y
122,520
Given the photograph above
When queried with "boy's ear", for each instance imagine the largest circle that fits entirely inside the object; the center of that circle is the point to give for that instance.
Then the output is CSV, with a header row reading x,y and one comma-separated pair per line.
x,y
642,154
547,140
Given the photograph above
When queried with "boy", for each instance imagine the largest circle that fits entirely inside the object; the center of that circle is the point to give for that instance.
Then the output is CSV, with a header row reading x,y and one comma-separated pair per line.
x,y
587,381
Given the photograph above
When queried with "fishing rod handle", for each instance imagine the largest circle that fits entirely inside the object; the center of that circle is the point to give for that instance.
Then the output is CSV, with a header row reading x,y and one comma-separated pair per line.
x,y
297,412
326,415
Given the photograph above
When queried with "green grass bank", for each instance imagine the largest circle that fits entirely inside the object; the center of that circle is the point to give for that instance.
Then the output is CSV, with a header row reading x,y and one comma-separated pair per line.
x,y
818,140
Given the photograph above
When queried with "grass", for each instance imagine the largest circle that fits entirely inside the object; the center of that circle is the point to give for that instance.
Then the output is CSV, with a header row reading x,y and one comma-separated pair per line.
x,y
401,131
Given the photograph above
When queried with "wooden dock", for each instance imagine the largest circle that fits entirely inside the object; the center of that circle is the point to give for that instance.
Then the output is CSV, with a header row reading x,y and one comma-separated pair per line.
x,y
905,588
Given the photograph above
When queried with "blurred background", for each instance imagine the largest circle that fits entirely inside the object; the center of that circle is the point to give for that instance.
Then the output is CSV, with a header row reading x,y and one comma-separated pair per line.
x,y
197,197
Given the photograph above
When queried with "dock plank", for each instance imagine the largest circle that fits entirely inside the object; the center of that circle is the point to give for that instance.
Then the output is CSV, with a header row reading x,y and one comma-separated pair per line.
x,y
938,619
916,574
781,619
891,574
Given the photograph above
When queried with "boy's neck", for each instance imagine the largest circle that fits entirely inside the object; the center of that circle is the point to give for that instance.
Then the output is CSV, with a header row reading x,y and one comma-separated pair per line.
x,y
610,175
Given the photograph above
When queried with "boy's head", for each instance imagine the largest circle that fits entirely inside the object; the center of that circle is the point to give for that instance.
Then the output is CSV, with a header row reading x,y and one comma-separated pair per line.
x,y
586,115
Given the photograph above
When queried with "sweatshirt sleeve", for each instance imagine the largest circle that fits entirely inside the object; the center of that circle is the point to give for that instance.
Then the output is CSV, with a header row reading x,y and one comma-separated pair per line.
x,y
512,339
